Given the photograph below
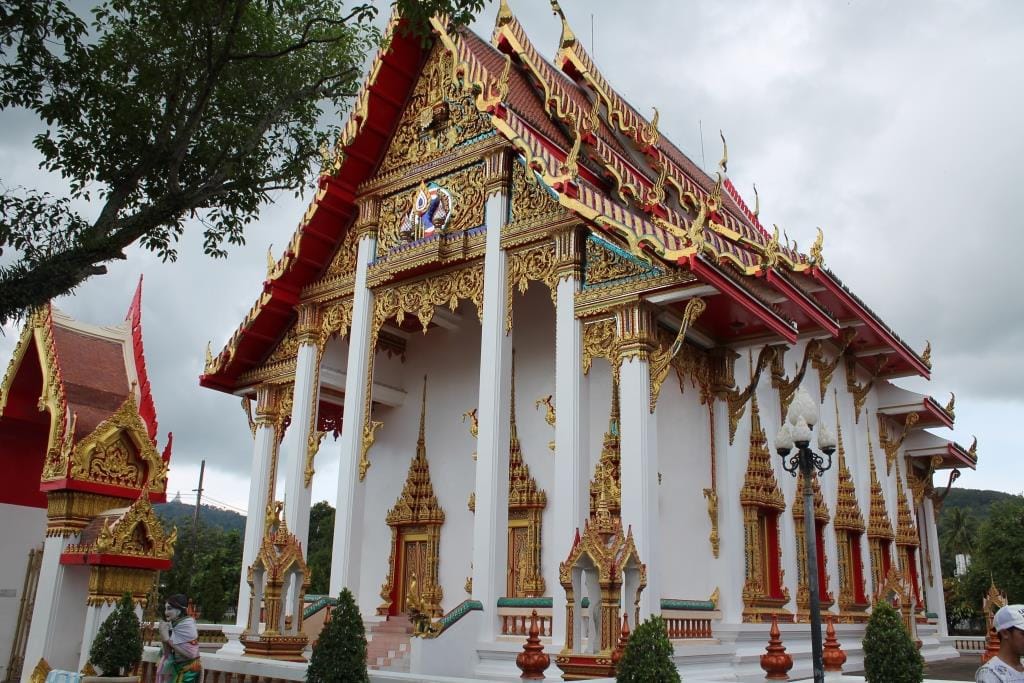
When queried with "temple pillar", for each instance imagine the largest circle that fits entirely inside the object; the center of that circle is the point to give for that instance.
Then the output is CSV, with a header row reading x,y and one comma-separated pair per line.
x,y
59,610
305,399
349,505
569,508
731,466
490,522
262,475
933,589
639,470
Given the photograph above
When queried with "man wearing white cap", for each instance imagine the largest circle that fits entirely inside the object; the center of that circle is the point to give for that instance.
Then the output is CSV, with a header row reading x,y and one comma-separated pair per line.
x,y
1005,667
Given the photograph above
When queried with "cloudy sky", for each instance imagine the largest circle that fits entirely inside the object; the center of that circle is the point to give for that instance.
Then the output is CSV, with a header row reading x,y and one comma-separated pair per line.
x,y
894,126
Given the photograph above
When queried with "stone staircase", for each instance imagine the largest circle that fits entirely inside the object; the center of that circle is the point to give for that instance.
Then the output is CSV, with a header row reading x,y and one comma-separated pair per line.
x,y
387,645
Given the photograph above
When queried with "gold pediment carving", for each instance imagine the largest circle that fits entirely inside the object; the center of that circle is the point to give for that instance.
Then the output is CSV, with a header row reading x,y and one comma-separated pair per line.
x,y
119,452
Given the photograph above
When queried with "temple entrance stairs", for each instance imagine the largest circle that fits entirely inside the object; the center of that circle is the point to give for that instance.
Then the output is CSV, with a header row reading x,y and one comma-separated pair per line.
x,y
387,644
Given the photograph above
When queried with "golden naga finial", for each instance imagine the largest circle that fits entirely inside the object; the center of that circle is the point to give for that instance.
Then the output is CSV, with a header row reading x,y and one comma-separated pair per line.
x,y
771,250
951,404
271,264
209,355
926,355
757,210
656,195
649,134
723,164
594,115
503,79
816,257
568,38
973,450
695,233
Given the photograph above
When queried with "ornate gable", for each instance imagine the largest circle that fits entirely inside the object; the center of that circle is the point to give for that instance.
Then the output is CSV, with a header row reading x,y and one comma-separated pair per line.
x,y
759,485
605,264
848,515
879,524
126,534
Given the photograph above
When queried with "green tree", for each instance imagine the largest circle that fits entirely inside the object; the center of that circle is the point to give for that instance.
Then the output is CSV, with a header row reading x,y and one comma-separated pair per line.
x,y
999,550
960,532
211,596
890,656
117,649
648,655
157,111
321,540
339,656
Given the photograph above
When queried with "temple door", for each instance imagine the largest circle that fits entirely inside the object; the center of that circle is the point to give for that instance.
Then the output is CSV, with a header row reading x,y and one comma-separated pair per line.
x,y
411,561
518,558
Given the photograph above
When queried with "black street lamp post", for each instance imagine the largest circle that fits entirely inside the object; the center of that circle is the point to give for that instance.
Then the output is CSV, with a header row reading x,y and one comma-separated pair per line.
x,y
802,416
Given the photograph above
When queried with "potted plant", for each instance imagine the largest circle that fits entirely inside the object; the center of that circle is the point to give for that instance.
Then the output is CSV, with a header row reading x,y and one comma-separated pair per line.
x,y
117,649
339,655
648,655
890,656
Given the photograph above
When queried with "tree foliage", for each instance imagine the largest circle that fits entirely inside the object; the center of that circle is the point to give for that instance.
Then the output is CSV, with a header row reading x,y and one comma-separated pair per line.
x,y
890,656
156,112
210,577
321,541
648,655
117,649
339,655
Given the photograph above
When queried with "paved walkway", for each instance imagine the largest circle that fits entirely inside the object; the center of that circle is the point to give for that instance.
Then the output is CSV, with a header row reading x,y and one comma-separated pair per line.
x,y
960,669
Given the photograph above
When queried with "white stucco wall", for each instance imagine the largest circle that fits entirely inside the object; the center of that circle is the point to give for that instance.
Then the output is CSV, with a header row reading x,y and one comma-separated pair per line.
x,y
23,529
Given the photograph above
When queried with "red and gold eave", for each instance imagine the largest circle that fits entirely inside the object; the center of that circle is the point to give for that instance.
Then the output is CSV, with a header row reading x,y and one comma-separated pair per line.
x,y
66,383
762,289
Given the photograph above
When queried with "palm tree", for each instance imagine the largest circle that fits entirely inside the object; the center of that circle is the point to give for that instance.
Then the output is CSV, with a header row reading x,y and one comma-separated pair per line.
x,y
960,532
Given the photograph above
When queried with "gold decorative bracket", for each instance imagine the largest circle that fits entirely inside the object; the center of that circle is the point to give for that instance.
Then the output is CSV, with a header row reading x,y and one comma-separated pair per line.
x,y
860,391
661,360
787,387
826,368
316,437
892,444
369,437
474,425
712,498
549,414
737,400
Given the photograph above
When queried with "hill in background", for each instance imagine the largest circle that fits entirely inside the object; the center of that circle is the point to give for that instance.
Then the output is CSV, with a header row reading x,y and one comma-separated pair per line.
x,y
977,502
180,514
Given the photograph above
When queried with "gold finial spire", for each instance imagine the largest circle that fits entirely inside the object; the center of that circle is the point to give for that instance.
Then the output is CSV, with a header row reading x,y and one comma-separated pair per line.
x,y
723,164
568,38
926,355
271,264
504,14
421,441
757,208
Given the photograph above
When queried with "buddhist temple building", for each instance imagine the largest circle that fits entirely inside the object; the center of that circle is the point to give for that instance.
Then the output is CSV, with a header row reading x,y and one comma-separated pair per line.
x,y
487,198
78,449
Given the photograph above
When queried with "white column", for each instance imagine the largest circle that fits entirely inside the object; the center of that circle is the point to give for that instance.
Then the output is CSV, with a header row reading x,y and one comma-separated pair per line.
x,y
731,466
569,504
936,597
639,476
348,521
490,522
305,397
259,490
56,630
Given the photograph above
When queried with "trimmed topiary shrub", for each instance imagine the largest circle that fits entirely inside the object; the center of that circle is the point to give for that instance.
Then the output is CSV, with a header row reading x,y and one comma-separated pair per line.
x,y
339,655
890,656
117,649
648,655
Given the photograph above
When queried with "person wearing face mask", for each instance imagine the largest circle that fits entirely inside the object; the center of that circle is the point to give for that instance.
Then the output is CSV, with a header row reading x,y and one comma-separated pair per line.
x,y
179,641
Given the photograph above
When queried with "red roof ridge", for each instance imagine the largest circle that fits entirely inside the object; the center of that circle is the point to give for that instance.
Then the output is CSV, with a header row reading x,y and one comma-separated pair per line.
x,y
147,409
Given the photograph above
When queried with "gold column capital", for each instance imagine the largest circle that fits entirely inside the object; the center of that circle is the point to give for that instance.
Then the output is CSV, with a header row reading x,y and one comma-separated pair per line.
x,y
307,328
635,329
496,170
569,241
368,222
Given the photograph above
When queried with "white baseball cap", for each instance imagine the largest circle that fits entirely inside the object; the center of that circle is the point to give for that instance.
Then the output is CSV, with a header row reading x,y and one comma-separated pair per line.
x,y
1011,616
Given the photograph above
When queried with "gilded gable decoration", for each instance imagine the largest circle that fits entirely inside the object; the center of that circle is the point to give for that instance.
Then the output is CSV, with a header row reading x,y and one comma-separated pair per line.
x,y
906,530
891,444
606,263
825,367
415,522
526,505
879,524
606,487
446,204
119,452
737,399
441,114
133,532
787,386
532,201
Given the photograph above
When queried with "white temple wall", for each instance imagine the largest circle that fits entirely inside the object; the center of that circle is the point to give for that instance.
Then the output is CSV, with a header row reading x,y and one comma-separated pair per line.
x,y
24,529
688,566
450,359
534,344
599,402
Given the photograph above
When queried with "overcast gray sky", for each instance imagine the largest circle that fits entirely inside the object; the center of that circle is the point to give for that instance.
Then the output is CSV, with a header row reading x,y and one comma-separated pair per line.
x,y
894,126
